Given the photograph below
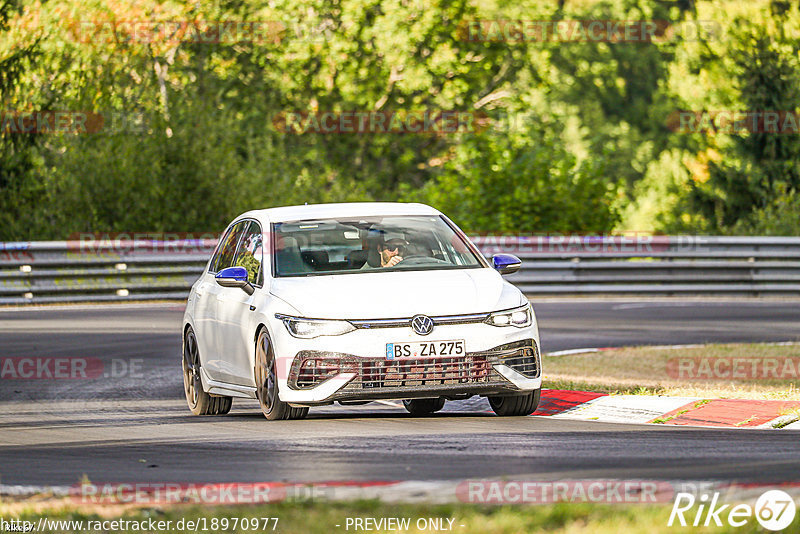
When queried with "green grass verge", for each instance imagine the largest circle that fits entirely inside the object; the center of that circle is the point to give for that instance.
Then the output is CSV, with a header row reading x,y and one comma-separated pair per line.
x,y
652,371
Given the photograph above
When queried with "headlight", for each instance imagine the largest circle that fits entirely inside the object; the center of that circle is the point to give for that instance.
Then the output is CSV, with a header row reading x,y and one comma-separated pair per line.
x,y
310,328
519,317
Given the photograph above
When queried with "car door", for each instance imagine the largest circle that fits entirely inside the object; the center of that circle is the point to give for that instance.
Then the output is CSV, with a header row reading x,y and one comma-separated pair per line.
x,y
235,309
209,334
205,304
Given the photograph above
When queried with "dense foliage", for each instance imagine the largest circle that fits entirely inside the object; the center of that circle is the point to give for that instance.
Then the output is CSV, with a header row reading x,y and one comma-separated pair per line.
x,y
565,136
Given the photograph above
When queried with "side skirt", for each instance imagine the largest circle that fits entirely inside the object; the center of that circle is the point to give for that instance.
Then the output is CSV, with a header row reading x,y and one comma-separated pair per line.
x,y
214,387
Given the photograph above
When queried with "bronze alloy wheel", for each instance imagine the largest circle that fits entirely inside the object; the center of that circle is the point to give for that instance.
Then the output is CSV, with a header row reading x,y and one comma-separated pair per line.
x,y
200,402
267,384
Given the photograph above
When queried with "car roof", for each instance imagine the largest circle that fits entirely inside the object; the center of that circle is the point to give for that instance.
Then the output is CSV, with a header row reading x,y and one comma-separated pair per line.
x,y
347,209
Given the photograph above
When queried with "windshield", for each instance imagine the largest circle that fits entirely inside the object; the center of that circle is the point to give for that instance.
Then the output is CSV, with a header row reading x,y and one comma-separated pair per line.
x,y
368,244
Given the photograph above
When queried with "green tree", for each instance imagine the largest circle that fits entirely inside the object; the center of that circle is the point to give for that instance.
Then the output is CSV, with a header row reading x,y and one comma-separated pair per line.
x,y
19,190
522,184
761,166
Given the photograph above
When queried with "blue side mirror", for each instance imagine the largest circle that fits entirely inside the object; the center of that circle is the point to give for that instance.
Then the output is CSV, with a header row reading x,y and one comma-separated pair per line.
x,y
234,277
506,263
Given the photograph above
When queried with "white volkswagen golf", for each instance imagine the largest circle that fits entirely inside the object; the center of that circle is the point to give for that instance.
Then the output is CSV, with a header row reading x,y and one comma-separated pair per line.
x,y
310,305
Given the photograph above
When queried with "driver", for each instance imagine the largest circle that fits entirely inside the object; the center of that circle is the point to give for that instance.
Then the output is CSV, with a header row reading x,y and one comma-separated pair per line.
x,y
391,251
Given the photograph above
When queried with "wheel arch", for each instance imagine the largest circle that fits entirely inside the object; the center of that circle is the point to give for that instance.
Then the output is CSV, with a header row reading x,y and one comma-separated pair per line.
x,y
261,326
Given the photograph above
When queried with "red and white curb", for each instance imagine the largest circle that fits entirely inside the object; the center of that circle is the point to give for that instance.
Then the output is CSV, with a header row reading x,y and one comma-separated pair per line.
x,y
678,411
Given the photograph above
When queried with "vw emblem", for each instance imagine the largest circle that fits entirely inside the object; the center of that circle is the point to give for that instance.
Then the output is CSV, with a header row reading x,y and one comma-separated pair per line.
x,y
422,324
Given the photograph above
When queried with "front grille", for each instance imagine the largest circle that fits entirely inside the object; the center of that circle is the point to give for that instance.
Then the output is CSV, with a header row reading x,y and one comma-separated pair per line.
x,y
311,368
381,373
421,372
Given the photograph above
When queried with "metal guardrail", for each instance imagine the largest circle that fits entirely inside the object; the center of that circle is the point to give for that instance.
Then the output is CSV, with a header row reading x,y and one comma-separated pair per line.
x,y
106,270
79,271
654,265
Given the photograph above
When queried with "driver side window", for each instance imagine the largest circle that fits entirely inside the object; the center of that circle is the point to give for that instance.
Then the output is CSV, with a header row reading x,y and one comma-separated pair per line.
x,y
227,248
251,254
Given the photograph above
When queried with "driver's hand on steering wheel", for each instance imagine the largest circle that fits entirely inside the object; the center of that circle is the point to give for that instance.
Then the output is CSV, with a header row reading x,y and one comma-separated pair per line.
x,y
394,260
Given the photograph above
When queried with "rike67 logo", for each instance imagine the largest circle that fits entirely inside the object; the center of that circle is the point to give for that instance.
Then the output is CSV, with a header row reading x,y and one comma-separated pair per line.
x,y
774,510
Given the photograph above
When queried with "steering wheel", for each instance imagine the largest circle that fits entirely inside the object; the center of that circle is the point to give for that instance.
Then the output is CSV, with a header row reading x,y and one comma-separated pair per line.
x,y
419,258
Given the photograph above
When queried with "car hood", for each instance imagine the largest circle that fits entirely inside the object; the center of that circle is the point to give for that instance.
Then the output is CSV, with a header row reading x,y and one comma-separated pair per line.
x,y
387,295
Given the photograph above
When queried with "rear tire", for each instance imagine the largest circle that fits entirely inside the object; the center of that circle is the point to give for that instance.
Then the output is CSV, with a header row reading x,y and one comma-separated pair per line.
x,y
420,407
516,405
200,402
266,375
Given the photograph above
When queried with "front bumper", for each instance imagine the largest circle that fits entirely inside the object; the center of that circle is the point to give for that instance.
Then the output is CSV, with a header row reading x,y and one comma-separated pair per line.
x,y
321,377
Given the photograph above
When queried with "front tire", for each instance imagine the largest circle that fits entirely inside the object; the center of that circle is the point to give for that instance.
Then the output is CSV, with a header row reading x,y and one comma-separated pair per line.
x,y
420,407
517,405
200,402
266,376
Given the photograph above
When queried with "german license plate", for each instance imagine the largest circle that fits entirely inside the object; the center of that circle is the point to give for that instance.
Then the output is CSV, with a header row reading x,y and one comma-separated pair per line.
x,y
425,349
